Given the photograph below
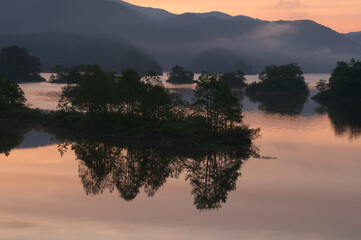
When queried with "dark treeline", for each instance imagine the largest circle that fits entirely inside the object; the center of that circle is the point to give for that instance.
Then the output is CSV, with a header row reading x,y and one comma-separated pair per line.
x,y
16,64
128,101
107,104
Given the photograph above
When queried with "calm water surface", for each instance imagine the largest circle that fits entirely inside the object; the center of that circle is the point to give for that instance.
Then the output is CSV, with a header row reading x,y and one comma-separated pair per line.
x,y
307,186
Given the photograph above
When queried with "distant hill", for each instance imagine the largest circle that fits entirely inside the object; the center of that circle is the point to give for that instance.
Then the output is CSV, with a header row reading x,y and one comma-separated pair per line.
x,y
174,39
218,61
71,49
216,14
152,13
355,36
74,16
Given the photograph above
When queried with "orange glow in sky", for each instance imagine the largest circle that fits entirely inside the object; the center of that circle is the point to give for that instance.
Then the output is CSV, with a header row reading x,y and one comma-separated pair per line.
x,y
342,16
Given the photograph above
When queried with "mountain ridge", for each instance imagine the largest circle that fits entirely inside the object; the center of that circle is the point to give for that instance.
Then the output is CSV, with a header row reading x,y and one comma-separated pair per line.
x,y
177,39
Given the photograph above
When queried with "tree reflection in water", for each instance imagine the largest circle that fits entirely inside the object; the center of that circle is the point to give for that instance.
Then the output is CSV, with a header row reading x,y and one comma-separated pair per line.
x,y
212,174
11,136
286,104
345,119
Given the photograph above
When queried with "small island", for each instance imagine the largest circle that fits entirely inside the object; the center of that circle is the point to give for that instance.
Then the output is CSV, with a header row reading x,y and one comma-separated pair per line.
x,y
281,89
234,80
130,108
344,85
280,81
180,76
340,96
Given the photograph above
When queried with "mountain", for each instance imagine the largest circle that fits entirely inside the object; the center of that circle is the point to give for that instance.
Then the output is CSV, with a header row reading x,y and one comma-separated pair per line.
x,y
216,14
152,13
178,39
187,19
217,61
72,49
74,16
354,36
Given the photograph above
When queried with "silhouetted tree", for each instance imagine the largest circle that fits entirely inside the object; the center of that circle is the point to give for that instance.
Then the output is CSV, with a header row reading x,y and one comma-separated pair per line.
x,y
10,94
17,65
180,76
130,88
156,102
344,84
61,74
283,79
215,101
95,93
342,97
234,79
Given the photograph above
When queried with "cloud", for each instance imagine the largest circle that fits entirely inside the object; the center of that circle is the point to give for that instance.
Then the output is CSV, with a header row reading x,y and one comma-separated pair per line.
x,y
17,224
288,4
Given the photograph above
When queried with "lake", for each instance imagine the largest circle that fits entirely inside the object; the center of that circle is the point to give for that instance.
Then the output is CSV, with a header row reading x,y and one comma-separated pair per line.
x,y
302,180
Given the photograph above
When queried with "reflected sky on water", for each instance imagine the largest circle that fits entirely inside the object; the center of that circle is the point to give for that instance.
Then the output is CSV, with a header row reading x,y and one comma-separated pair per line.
x,y
308,186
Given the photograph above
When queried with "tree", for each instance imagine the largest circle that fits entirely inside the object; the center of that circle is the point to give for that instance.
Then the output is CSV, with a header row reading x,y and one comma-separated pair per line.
x,y
17,65
180,76
281,79
234,79
215,101
11,94
345,79
156,102
66,75
344,85
61,73
130,88
322,85
97,91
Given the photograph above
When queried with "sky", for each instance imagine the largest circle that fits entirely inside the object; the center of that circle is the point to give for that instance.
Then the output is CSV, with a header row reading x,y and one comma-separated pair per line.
x,y
342,16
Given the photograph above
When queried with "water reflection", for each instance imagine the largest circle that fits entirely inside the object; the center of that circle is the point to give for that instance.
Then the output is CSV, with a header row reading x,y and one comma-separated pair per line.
x,y
288,105
128,169
345,119
11,136
213,175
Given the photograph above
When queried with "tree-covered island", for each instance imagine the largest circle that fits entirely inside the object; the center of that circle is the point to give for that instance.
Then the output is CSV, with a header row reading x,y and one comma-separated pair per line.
x,y
281,89
128,107
180,76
